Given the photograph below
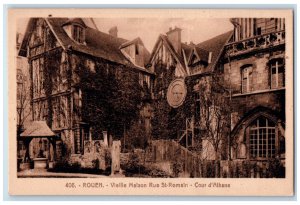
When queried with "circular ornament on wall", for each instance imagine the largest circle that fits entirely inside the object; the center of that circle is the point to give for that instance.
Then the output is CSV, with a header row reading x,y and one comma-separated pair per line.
x,y
176,93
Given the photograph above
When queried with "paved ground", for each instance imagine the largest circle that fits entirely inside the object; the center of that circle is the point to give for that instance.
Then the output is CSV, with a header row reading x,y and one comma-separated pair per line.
x,y
43,173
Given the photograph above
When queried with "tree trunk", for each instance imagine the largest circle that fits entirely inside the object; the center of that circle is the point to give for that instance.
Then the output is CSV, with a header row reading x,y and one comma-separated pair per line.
x,y
217,165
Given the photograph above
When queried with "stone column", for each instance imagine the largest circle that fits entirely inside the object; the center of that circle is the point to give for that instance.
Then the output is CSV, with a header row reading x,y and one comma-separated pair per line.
x,y
105,138
115,157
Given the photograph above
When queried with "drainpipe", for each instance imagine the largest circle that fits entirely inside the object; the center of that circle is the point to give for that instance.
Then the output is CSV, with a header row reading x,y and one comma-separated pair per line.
x,y
230,98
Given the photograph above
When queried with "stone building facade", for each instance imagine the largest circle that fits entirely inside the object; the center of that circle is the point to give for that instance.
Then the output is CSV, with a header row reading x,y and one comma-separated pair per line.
x,y
239,75
254,71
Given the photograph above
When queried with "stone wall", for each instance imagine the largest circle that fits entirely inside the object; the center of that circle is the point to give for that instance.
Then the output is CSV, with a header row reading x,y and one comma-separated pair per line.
x,y
275,100
94,156
260,71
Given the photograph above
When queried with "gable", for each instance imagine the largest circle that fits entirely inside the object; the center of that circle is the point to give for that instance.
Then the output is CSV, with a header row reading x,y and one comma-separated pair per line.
x,y
164,54
135,51
215,46
38,38
194,59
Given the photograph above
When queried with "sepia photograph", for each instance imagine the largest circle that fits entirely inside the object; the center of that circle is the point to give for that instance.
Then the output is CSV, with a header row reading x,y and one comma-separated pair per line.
x,y
194,97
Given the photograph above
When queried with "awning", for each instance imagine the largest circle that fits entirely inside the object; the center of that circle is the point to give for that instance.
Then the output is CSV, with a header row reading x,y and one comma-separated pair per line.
x,y
37,129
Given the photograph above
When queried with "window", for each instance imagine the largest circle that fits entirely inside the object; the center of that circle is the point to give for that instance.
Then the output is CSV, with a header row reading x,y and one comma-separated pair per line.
x,y
45,111
55,114
277,73
262,138
85,133
144,79
141,80
78,141
258,31
19,76
80,135
136,49
91,65
147,80
265,25
247,78
78,33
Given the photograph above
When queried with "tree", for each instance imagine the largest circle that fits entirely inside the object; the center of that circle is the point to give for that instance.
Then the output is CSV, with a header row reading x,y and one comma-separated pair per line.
x,y
22,100
214,119
167,121
111,97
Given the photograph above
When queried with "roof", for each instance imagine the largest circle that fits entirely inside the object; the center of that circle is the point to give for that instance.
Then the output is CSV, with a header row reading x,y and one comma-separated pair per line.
x,y
97,43
178,56
187,49
203,54
75,20
138,40
214,45
38,129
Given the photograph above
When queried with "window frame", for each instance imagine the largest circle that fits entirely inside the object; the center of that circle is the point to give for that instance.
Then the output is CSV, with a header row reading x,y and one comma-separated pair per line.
x,y
249,79
259,148
277,65
78,33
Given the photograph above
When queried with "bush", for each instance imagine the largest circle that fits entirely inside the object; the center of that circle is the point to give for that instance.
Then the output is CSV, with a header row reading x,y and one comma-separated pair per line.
x,y
96,163
177,168
108,159
157,173
276,169
133,165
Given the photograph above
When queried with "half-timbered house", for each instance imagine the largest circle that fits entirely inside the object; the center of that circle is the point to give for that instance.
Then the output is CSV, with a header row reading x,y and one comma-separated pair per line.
x,y
184,73
66,60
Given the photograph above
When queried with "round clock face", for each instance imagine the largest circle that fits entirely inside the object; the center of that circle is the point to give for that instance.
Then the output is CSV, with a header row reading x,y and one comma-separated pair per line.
x,y
176,93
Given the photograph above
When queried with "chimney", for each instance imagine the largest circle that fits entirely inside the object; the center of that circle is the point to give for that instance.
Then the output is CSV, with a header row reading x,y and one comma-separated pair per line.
x,y
174,36
113,31
192,43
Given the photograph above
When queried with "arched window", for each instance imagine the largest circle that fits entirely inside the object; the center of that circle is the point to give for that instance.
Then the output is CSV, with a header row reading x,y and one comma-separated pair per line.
x,y
246,78
262,138
277,73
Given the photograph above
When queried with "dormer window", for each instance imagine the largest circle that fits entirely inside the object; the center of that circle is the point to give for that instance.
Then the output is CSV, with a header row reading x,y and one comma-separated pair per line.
x,y
75,28
78,34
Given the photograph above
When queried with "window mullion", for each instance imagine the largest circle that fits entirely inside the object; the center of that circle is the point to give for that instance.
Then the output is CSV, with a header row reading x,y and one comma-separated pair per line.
x,y
276,73
248,80
257,144
267,139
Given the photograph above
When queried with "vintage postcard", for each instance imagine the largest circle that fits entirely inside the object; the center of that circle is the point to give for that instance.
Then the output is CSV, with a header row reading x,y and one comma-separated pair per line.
x,y
183,102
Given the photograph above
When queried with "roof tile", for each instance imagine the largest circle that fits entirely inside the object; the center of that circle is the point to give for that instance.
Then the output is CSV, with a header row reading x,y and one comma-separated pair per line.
x,y
38,129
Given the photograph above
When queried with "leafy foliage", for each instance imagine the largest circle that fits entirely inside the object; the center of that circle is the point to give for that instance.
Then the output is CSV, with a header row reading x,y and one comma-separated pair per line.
x,y
111,97
167,118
